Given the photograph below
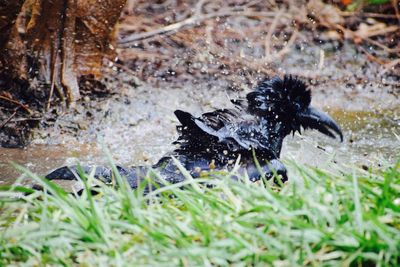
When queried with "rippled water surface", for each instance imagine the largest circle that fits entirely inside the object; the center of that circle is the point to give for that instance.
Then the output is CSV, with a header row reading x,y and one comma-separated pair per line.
x,y
371,138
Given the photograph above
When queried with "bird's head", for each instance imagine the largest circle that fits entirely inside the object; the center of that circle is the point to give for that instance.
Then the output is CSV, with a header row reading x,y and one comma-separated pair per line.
x,y
287,101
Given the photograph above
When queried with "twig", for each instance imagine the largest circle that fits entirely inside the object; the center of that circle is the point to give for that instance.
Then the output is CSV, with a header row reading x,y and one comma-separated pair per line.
x,y
321,59
172,27
51,93
286,49
27,119
267,48
379,32
372,57
121,66
396,9
384,47
126,42
252,3
8,120
352,34
370,15
390,65
199,6
126,53
17,103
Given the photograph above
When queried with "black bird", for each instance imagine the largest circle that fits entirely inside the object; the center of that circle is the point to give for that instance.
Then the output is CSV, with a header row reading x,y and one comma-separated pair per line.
x,y
254,128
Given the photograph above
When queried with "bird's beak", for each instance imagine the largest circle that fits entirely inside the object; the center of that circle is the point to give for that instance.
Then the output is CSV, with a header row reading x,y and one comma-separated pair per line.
x,y
315,119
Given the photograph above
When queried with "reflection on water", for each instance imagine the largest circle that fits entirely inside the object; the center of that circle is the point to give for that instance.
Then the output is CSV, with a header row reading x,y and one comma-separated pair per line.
x,y
370,138
42,158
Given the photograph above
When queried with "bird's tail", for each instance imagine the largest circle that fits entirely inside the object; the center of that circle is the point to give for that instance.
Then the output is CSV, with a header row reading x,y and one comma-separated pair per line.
x,y
133,175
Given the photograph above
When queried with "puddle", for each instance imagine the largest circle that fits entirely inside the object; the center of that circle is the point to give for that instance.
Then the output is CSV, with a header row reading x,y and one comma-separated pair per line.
x,y
138,124
42,158
371,138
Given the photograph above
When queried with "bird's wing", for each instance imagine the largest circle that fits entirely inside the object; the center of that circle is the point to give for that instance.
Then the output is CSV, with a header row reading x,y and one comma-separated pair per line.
x,y
250,134
224,126
193,137
209,123
208,130
220,118
213,120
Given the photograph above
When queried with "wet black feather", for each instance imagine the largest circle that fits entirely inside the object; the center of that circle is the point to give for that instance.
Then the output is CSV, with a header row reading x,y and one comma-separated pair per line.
x,y
260,121
256,125
279,97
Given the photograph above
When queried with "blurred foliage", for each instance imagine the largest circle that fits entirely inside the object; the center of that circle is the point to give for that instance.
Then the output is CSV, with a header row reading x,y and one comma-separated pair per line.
x,y
353,5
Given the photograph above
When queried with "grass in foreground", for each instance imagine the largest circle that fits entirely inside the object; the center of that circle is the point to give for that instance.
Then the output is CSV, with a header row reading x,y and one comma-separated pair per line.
x,y
317,219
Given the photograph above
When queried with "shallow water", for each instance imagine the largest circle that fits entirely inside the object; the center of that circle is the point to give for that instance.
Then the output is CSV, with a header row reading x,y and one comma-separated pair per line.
x,y
42,158
138,124
371,139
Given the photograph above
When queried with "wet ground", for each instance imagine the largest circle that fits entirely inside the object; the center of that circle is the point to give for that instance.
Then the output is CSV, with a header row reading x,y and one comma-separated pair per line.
x,y
137,124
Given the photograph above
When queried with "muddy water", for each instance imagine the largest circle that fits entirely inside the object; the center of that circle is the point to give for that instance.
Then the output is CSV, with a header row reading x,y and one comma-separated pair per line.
x,y
42,158
138,127
371,139
138,124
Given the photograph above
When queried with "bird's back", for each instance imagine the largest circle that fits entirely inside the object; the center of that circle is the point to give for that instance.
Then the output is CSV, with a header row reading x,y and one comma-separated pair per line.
x,y
223,134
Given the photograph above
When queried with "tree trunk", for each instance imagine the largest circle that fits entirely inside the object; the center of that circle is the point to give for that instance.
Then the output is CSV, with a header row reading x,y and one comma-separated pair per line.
x,y
46,47
56,42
